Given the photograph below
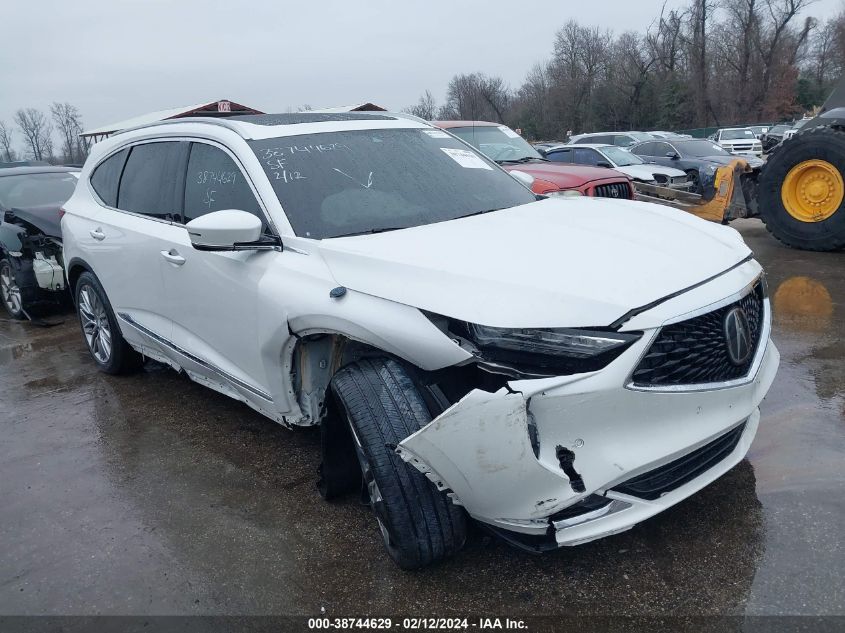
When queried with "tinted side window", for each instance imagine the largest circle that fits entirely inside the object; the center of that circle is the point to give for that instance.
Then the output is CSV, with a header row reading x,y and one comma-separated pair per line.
x,y
560,156
152,180
106,177
645,149
661,149
603,138
214,183
586,156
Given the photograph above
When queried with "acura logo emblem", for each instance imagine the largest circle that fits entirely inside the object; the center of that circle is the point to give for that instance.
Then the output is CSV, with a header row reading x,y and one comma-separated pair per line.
x,y
737,336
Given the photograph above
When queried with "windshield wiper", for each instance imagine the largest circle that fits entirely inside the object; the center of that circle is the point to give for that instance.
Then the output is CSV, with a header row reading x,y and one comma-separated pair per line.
x,y
469,215
524,159
383,229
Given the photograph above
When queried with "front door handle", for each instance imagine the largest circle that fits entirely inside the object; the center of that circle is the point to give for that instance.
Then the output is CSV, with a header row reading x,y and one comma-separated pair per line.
x,y
173,257
98,234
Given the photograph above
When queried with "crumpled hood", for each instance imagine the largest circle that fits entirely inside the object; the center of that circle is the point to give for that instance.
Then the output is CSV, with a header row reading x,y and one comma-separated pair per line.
x,y
553,263
44,219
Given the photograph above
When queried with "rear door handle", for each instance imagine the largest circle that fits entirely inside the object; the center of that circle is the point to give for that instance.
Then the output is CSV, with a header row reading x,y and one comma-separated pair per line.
x,y
98,234
173,257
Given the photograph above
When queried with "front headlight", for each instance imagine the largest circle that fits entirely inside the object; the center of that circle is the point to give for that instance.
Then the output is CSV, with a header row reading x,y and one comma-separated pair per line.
x,y
553,342
567,193
549,350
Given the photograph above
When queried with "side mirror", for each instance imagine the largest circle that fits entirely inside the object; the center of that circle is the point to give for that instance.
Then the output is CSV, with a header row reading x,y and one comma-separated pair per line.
x,y
522,177
672,155
223,230
604,163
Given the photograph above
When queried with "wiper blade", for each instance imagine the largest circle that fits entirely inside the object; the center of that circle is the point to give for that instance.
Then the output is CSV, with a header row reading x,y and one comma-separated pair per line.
x,y
469,215
382,229
524,159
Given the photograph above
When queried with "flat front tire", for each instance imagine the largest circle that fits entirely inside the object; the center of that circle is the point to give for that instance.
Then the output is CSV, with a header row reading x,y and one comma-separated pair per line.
x,y
381,403
108,348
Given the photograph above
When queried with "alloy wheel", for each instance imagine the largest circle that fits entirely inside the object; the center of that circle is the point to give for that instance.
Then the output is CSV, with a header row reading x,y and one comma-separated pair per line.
x,y
9,290
95,324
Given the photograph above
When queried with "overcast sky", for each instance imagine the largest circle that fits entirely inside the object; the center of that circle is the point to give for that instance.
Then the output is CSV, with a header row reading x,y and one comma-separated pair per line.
x,y
117,59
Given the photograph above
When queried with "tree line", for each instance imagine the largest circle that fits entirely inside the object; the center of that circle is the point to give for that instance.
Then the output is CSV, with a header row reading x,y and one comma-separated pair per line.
x,y
37,132
708,63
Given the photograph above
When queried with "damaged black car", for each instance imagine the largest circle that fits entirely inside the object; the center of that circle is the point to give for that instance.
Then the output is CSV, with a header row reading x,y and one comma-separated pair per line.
x,y
31,264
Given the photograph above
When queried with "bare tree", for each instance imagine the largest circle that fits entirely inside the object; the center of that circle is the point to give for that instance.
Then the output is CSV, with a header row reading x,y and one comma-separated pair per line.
x,y
425,108
706,62
37,131
773,38
6,142
69,124
476,97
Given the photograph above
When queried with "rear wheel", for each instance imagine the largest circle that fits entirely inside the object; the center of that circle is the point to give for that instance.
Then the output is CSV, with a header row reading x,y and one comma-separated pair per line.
x,y
419,524
802,191
108,348
10,292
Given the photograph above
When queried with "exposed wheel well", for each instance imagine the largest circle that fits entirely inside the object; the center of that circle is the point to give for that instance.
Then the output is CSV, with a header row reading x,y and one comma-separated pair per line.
x,y
75,268
318,356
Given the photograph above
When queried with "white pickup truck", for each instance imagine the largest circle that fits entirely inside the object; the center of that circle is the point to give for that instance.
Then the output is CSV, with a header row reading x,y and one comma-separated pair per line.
x,y
740,141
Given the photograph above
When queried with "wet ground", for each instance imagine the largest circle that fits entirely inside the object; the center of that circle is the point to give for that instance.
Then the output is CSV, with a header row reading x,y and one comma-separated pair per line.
x,y
149,494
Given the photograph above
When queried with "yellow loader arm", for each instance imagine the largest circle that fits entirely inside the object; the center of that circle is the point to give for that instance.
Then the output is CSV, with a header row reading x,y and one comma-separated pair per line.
x,y
726,198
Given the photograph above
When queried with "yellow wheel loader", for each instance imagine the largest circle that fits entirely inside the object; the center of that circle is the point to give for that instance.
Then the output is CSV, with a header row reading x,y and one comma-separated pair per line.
x,y
799,193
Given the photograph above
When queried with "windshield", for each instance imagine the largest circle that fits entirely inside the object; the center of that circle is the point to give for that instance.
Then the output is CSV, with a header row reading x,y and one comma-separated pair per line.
x,y
36,190
700,148
365,181
779,129
641,136
499,143
801,123
620,157
734,135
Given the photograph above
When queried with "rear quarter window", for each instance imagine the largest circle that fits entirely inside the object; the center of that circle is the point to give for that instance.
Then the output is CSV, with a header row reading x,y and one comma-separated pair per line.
x,y
106,177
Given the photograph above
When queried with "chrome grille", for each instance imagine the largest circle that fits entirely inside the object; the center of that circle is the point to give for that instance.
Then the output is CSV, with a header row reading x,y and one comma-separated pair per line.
x,y
619,190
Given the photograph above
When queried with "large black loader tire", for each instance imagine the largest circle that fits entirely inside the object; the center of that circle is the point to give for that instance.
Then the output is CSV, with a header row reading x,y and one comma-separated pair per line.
x,y
802,192
383,406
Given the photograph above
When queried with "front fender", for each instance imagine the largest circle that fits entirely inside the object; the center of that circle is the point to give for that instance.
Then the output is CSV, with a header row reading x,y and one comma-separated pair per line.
x,y
395,328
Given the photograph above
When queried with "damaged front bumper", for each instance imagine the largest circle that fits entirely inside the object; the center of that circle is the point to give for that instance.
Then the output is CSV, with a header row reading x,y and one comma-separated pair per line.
x,y
562,461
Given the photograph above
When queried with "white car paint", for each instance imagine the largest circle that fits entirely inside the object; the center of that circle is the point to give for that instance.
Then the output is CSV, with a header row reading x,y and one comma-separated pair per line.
x,y
499,270
237,321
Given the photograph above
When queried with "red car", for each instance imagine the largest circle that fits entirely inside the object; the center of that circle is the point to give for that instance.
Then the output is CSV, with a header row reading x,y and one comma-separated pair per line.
x,y
512,152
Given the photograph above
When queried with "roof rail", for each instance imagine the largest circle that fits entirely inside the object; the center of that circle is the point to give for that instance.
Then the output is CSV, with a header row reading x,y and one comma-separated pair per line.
x,y
219,121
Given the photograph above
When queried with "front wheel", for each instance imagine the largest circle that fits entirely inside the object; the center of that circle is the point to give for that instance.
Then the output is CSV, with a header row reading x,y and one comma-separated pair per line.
x,y
10,292
108,348
418,523
695,179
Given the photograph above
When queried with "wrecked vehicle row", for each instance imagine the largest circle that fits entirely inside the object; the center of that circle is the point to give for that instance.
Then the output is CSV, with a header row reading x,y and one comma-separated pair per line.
x,y
31,265
558,369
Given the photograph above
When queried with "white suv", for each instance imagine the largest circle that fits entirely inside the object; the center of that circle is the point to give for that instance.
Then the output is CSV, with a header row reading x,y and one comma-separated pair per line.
x,y
557,369
741,141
